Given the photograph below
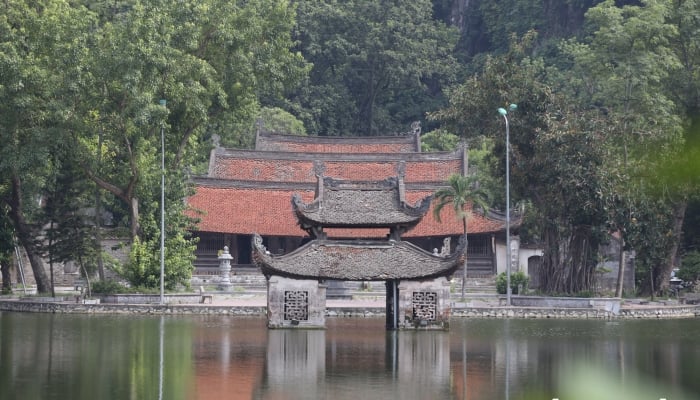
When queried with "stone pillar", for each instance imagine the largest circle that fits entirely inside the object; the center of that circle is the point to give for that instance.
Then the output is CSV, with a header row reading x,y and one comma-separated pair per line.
x,y
424,304
392,304
225,270
515,253
295,303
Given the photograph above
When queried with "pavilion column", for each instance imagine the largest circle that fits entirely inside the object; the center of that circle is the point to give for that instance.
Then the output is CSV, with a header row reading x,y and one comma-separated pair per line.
x,y
424,304
234,249
295,303
392,304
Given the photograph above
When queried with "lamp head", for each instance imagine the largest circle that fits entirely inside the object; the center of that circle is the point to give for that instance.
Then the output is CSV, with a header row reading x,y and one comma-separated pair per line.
x,y
502,111
512,107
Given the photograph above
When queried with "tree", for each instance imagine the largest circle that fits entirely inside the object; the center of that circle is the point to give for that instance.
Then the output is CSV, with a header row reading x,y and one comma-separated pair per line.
x,y
274,119
377,66
623,67
40,46
211,61
464,195
554,165
70,233
438,140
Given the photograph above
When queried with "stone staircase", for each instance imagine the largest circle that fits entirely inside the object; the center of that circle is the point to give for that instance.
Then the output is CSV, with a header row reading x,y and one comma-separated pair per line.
x,y
478,285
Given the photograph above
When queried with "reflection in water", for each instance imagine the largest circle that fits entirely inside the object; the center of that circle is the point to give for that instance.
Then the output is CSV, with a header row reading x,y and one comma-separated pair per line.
x,y
45,356
54,356
312,364
295,364
161,330
506,329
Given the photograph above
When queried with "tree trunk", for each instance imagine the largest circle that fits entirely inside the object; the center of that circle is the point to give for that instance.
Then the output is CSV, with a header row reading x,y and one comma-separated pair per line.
x,y
53,289
6,277
134,217
466,256
98,216
621,268
566,266
678,219
26,236
126,195
458,14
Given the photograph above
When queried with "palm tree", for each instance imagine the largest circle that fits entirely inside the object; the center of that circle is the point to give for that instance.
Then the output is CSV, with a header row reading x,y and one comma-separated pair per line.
x,y
464,194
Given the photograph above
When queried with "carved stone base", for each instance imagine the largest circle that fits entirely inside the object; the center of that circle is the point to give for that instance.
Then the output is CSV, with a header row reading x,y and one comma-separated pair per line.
x,y
293,303
424,304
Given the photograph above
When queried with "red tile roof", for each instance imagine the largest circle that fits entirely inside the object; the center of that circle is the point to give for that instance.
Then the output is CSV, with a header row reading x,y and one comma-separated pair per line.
x,y
250,191
268,212
286,167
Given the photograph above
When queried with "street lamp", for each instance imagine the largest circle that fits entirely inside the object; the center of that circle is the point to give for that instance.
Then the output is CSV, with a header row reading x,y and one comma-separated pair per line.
x,y
162,102
509,262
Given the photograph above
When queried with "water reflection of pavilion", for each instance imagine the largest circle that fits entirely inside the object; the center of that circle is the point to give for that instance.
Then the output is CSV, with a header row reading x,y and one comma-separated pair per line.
x,y
324,364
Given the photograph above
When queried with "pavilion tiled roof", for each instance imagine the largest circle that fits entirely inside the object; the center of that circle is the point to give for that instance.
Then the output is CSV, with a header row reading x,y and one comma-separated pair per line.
x,y
357,260
246,207
359,204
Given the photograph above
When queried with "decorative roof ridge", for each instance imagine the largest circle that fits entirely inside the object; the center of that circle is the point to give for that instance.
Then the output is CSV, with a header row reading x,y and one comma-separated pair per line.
x,y
206,181
351,157
461,245
516,216
390,139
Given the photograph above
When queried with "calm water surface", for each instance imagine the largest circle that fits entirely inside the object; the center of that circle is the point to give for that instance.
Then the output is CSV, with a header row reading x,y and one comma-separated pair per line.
x,y
50,356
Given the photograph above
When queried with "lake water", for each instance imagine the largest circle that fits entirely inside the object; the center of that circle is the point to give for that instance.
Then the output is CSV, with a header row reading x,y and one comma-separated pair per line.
x,y
53,356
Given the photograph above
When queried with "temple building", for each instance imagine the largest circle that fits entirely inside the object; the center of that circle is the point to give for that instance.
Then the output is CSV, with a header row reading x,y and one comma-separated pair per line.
x,y
292,191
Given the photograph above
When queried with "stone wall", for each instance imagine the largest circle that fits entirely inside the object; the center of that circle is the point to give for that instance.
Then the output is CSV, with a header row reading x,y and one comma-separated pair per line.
x,y
690,311
68,274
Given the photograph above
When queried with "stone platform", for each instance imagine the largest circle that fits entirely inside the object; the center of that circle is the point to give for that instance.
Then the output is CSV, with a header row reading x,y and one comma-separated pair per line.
x,y
360,306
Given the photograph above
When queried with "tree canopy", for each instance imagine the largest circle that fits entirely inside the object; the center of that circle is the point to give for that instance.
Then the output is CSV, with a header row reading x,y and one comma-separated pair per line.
x,y
605,138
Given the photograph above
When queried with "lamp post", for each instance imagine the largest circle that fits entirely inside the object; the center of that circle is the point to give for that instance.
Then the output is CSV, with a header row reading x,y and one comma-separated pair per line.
x,y
162,102
509,262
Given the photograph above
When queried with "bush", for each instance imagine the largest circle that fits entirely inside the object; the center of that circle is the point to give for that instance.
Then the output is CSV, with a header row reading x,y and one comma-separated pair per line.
x,y
516,279
108,287
143,268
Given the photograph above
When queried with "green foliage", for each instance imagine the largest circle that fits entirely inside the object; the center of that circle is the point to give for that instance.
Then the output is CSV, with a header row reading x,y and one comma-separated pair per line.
x,y
624,67
517,279
438,140
464,195
279,121
143,267
40,44
690,267
377,66
551,157
71,232
109,287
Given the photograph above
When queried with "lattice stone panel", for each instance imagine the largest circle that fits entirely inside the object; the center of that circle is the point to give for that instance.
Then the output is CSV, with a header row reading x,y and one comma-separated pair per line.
x,y
425,306
296,305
